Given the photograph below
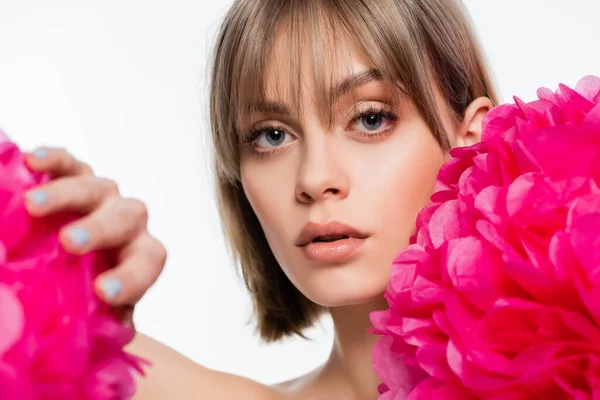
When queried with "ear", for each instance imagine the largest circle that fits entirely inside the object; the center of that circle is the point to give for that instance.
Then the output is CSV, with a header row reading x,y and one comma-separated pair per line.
x,y
469,130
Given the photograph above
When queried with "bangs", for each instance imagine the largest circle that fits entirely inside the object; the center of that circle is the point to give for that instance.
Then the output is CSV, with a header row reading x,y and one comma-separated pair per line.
x,y
315,37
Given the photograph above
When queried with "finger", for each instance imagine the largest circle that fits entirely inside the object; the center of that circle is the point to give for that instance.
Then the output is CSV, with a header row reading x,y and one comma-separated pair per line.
x,y
117,222
124,314
78,194
56,162
141,266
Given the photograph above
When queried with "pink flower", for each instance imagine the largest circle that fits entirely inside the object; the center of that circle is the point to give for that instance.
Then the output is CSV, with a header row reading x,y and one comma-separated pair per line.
x,y
497,296
58,340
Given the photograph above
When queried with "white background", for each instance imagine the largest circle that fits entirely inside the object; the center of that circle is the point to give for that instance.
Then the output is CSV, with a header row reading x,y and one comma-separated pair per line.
x,y
122,84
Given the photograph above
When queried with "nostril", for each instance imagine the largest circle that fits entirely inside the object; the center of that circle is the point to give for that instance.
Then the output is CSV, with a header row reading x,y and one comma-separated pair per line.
x,y
305,196
308,196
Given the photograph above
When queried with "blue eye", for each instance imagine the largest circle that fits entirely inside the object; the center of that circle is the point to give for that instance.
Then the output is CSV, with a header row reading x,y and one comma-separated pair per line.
x,y
371,122
271,137
274,137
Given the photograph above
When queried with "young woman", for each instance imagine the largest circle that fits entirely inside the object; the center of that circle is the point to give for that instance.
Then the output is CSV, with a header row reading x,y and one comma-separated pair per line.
x,y
330,121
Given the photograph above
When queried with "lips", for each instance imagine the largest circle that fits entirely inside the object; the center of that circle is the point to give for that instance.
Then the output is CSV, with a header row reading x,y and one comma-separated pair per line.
x,y
327,233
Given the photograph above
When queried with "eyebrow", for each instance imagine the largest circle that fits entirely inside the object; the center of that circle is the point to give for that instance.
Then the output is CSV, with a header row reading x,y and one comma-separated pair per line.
x,y
338,91
269,107
354,81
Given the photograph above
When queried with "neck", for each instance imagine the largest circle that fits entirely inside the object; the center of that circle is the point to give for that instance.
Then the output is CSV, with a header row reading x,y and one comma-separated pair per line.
x,y
351,354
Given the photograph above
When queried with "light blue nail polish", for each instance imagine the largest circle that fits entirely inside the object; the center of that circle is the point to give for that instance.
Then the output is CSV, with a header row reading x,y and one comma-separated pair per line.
x,y
40,153
79,236
39,197
111,287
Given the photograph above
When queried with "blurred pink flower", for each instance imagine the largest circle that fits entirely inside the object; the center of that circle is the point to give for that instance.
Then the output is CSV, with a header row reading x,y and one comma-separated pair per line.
x,y
497,296
58,340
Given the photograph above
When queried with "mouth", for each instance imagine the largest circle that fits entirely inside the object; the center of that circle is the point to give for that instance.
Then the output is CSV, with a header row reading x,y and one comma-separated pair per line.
x,y
330,243
330,232
329,238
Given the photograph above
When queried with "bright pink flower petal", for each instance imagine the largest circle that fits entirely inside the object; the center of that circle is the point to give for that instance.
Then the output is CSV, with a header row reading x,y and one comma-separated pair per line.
x,y
12,320
444,223
589,87
400,378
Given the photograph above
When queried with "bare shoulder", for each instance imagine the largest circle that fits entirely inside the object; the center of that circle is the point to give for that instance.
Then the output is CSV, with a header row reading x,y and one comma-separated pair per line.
x,y
309,386
319,384
174,376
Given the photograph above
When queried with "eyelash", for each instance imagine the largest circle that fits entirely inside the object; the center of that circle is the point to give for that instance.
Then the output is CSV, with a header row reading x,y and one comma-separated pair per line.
x,y
253,135
375,110
251,138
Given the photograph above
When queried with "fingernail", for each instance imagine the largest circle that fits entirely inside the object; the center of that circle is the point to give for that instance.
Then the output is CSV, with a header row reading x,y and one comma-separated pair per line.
x,y
39,197
40,153
79,236
111,287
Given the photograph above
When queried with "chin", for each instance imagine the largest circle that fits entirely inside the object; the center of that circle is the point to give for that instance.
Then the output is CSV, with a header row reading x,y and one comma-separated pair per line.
x,y
346,292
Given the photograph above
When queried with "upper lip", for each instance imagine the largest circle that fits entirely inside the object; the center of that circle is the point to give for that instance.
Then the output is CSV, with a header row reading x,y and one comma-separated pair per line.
x,y
313,230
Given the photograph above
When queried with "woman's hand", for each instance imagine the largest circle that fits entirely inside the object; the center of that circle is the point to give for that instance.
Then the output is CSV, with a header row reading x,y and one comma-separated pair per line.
x,y
109,222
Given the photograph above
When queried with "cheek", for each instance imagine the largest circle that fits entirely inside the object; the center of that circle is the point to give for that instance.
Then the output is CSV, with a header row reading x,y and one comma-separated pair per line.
x,y
403,182
268,187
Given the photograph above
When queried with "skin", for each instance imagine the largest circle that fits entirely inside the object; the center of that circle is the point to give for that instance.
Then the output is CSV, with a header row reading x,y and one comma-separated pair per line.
x,y
319,173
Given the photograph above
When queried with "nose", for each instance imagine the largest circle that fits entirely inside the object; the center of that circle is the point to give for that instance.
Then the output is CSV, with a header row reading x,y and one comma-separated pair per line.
x,y
321,175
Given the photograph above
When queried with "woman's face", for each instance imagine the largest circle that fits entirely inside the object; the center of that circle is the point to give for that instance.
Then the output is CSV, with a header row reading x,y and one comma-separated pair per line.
x,y
337,203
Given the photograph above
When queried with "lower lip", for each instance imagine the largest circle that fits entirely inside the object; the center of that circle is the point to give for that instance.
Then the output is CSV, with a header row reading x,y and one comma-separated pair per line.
x,y
332,252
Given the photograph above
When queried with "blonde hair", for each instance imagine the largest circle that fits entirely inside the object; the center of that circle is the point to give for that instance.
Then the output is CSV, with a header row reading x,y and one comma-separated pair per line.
x,y
409,42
